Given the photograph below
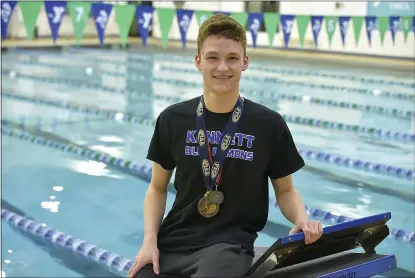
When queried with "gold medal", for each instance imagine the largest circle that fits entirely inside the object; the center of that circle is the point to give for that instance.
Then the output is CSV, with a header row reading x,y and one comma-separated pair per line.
x,y
206,208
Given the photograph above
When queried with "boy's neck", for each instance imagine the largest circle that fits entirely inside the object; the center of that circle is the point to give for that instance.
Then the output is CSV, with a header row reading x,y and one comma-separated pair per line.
x,y
220,103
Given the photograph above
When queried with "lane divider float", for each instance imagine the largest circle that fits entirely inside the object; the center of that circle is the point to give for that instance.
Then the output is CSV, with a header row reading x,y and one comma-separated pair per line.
x,y
256,66
144,172
112,261
343,90
274,80
357,164
394,112
378,133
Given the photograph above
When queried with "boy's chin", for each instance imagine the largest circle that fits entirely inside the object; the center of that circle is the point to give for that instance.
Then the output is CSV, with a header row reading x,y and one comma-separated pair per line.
x,y
222,89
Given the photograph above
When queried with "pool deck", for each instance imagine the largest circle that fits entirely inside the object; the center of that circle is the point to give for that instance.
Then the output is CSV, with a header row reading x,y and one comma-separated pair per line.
x,y
406,65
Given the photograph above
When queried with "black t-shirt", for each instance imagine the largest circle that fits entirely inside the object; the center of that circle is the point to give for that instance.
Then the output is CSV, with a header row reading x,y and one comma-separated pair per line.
x,y
262,148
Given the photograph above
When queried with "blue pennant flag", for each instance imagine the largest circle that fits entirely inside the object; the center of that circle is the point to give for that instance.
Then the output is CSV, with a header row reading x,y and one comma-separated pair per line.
x,y
7,8
183,19
144,16
370,26
316,23
287,22
101,13
55,11
254,24
394,26
344,23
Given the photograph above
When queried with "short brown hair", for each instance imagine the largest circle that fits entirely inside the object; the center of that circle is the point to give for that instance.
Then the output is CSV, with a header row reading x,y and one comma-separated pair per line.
x,y
221,25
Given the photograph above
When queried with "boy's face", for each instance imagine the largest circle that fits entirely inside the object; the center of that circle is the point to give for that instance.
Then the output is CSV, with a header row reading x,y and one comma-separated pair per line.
x,y
221,62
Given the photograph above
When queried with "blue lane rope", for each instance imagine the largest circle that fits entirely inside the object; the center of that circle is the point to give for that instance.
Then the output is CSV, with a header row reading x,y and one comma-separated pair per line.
x,y
262,80
404,96
293,71
357,164
73,82
399,113
115,262
144,172
371,131
112,261
281,81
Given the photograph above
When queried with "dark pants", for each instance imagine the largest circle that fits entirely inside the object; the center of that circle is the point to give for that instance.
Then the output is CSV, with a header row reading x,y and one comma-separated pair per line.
x,y
218,260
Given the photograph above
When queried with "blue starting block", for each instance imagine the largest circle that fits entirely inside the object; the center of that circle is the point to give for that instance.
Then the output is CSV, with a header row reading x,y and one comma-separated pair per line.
x,y
330,256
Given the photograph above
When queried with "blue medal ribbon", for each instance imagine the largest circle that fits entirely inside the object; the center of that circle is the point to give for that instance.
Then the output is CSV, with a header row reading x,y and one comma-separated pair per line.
x,y
212,168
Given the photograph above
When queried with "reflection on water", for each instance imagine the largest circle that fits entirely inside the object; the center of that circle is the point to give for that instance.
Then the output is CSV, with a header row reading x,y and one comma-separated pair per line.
x,y
53,206
93,168
58,188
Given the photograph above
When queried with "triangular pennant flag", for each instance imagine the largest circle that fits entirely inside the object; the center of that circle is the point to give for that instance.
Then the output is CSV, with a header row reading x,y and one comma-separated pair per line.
x,y
357,27
316,23
54,12
30,12
302,24
406,26
344,22
394,26
202,16
144,16
413,24
383,24
254,23
271,22
79,12
241,17
183,19
331,23
165,16
287,22
101,13
370,26
7,8
124,15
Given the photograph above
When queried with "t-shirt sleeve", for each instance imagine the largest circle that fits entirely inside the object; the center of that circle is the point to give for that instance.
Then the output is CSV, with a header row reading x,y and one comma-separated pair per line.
x,y
159,150
284,158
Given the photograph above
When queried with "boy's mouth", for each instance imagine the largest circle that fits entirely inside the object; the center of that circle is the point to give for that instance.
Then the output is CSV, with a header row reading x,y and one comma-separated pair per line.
x,y
222,77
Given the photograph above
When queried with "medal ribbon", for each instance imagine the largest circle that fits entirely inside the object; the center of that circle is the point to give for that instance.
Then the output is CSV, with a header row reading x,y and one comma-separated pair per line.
x,y
212,168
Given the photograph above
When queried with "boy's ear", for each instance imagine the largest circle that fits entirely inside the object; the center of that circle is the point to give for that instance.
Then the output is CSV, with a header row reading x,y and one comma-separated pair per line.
x,y
197,62
245,65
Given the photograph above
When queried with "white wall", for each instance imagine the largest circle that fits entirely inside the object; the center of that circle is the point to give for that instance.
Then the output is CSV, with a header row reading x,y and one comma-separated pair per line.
x,y
323,8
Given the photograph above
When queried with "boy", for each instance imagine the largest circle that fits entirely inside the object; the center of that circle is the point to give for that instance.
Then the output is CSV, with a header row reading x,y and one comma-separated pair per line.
x,y
211,228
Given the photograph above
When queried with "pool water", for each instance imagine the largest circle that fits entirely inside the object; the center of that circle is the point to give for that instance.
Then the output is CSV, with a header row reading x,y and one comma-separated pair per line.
x,y
97,203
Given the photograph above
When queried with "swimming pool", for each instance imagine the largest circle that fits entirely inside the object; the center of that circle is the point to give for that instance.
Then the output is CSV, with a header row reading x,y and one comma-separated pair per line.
x,y
49,91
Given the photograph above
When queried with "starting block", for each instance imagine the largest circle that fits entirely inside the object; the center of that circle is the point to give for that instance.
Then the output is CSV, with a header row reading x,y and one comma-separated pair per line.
x,y
330,256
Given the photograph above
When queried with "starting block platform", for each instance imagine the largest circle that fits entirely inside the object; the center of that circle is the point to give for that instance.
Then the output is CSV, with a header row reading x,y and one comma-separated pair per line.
x,y
331,255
